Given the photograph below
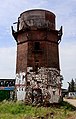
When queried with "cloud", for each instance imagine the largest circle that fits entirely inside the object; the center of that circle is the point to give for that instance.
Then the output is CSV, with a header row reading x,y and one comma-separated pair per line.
x,y
7,62
68,61
11,9
65,15
9,13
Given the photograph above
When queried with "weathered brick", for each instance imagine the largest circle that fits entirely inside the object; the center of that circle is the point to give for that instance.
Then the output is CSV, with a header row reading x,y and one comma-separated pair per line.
x,y
38,54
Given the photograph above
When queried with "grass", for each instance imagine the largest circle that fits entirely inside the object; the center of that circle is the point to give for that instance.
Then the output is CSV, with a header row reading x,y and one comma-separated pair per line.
x,y
18,110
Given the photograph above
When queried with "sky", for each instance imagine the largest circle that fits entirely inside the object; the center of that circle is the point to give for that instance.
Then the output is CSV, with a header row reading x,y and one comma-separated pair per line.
x,y
65,12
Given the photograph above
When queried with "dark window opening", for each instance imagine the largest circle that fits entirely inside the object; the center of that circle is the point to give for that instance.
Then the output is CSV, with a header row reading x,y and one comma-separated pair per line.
x,y
7,83
28,83
37,96
53,92
36,68
37,46
1,83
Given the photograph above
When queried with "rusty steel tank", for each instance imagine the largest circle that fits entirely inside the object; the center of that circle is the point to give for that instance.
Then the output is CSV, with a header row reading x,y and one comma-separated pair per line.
x,y
37,49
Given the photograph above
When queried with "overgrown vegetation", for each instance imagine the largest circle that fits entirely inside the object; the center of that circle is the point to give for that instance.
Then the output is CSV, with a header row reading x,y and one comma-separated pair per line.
x,y
18,110
72,86
4,94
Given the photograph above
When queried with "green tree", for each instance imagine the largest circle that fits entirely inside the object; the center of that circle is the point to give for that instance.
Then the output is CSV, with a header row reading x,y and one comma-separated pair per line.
x,y
4,94
71,86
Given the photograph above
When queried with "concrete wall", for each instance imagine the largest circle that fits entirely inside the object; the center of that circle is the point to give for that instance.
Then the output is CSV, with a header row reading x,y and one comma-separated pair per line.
x,y
42,87
20,86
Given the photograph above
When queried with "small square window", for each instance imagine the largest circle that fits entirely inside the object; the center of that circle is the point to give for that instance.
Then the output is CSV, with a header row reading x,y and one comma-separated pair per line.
x,y
37,46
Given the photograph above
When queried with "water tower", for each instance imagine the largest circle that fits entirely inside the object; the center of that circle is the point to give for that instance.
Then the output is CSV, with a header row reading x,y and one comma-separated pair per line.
x,y
38,77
